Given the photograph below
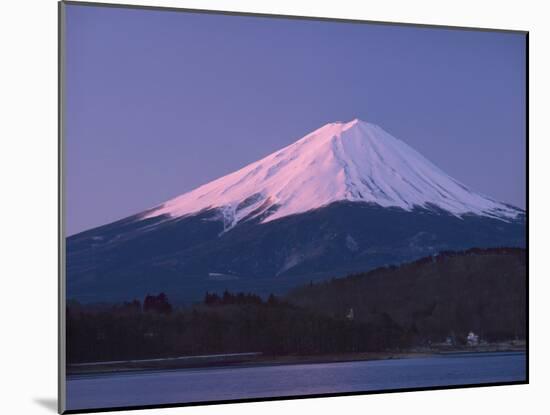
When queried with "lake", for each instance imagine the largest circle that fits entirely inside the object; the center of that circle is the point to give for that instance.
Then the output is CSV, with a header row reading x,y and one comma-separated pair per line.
x,y
208,384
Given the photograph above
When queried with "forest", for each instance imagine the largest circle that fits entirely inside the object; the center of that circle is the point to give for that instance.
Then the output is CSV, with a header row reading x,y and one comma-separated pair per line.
x,y
390,308
230,323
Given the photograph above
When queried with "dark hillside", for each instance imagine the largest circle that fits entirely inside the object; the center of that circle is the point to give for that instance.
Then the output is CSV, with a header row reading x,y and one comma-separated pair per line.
x,y
185,257
450,294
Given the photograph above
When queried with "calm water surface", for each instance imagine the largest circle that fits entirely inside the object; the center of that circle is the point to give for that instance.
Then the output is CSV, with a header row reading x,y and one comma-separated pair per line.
x,y
195,385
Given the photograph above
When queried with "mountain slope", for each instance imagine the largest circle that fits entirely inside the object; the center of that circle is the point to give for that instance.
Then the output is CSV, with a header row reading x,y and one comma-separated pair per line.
x,y
190,255
354,161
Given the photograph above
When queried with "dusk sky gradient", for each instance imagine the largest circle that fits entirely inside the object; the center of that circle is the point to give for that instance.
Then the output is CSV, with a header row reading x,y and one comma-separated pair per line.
x,y
160,102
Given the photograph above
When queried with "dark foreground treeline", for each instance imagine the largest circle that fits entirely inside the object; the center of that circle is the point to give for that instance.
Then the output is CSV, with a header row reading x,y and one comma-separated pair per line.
x,y
390,308
230,323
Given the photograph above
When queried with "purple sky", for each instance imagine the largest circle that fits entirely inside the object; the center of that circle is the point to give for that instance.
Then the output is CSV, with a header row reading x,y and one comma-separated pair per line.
x,y
160,102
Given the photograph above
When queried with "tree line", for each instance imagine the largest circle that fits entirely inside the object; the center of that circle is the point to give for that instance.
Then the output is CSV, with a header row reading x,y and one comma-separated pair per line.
x,y
227,323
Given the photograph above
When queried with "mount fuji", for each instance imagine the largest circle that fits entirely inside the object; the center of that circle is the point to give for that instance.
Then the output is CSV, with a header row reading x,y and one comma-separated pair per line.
x,y
345,198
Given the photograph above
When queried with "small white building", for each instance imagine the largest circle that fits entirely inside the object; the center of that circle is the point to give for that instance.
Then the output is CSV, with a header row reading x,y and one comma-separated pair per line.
x,y
472,339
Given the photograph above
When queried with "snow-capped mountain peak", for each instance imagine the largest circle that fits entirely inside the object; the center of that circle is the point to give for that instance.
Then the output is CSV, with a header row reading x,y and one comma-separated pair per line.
x,y
354,161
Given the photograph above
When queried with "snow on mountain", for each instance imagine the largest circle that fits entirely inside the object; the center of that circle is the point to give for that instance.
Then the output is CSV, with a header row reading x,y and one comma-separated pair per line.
x,y
354,161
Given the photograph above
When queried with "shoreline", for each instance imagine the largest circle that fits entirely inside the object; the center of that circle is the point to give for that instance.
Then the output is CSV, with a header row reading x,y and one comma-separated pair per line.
x,y
255,359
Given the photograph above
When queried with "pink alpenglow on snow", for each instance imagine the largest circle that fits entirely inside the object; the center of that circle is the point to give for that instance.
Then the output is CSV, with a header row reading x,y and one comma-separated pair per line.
x,y
354,161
